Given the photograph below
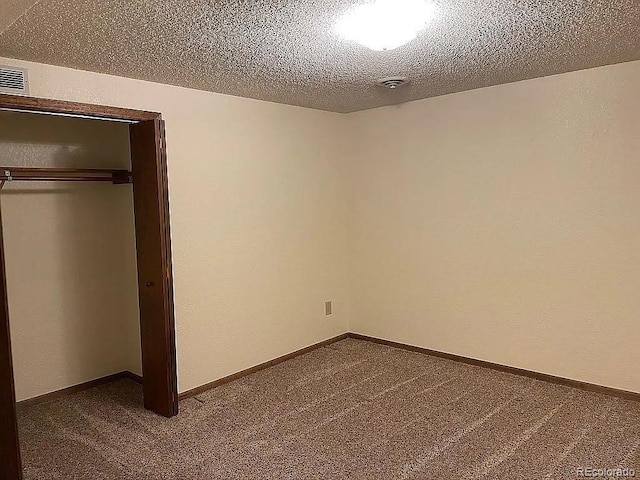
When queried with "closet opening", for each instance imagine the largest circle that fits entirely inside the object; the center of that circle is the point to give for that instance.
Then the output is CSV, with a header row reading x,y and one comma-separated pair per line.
x,y
85,253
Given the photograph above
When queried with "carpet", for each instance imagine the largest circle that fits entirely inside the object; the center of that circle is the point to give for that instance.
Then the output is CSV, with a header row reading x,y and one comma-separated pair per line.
x,y
350,410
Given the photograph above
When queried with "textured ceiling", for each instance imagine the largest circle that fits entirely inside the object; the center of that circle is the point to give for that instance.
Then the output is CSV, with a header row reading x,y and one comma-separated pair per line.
x,y
286,51
11,10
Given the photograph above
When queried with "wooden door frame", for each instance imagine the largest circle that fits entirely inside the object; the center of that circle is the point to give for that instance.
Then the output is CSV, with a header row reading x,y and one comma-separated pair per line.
x,y
155,275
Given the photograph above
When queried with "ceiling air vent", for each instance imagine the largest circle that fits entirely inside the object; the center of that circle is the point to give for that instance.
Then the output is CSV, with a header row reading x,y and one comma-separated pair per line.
x,y
392,82
14,80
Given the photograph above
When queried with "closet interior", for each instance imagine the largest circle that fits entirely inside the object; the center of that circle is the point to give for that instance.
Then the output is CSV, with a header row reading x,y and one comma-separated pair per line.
x,y
69,244
86,282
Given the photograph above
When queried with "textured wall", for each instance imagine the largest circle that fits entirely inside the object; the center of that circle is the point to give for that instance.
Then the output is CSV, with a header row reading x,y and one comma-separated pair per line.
x,y
70,255
257,195
503,224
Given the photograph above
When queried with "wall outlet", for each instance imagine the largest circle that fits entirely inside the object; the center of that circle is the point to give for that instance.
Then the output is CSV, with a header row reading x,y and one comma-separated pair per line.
x,y
328,308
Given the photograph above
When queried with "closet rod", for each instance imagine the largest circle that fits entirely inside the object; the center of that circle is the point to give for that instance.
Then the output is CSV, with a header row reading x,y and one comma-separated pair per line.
x,y
36,174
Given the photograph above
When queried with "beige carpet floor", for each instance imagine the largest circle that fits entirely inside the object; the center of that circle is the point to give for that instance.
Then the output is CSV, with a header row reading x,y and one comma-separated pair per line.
x,y
353,410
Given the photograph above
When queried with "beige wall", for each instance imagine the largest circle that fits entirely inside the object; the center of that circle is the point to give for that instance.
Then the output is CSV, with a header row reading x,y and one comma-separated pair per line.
x,y
504,224
499,224
258,194
70,255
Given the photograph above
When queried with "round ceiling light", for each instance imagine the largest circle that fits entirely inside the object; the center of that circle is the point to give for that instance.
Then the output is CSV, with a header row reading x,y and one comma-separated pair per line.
x,y
385,24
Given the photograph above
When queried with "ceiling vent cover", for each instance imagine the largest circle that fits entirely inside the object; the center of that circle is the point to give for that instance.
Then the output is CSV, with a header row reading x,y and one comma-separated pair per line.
x,y
14,81
392,82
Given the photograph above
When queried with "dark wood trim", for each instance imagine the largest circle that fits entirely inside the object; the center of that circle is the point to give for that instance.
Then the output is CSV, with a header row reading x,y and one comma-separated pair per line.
x,y
133,376
155,273
45,105
567,382
449,356
230,378
48,397
10,461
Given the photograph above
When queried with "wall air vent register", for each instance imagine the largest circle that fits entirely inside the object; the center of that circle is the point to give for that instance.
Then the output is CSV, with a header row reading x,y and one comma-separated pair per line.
x,y
14,81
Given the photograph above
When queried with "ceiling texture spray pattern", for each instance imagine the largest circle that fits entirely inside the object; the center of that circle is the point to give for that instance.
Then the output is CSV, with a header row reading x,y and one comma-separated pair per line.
x,y
288,51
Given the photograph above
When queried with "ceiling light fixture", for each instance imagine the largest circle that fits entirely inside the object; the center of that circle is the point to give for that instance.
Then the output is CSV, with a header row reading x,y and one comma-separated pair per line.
x,y
385,24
